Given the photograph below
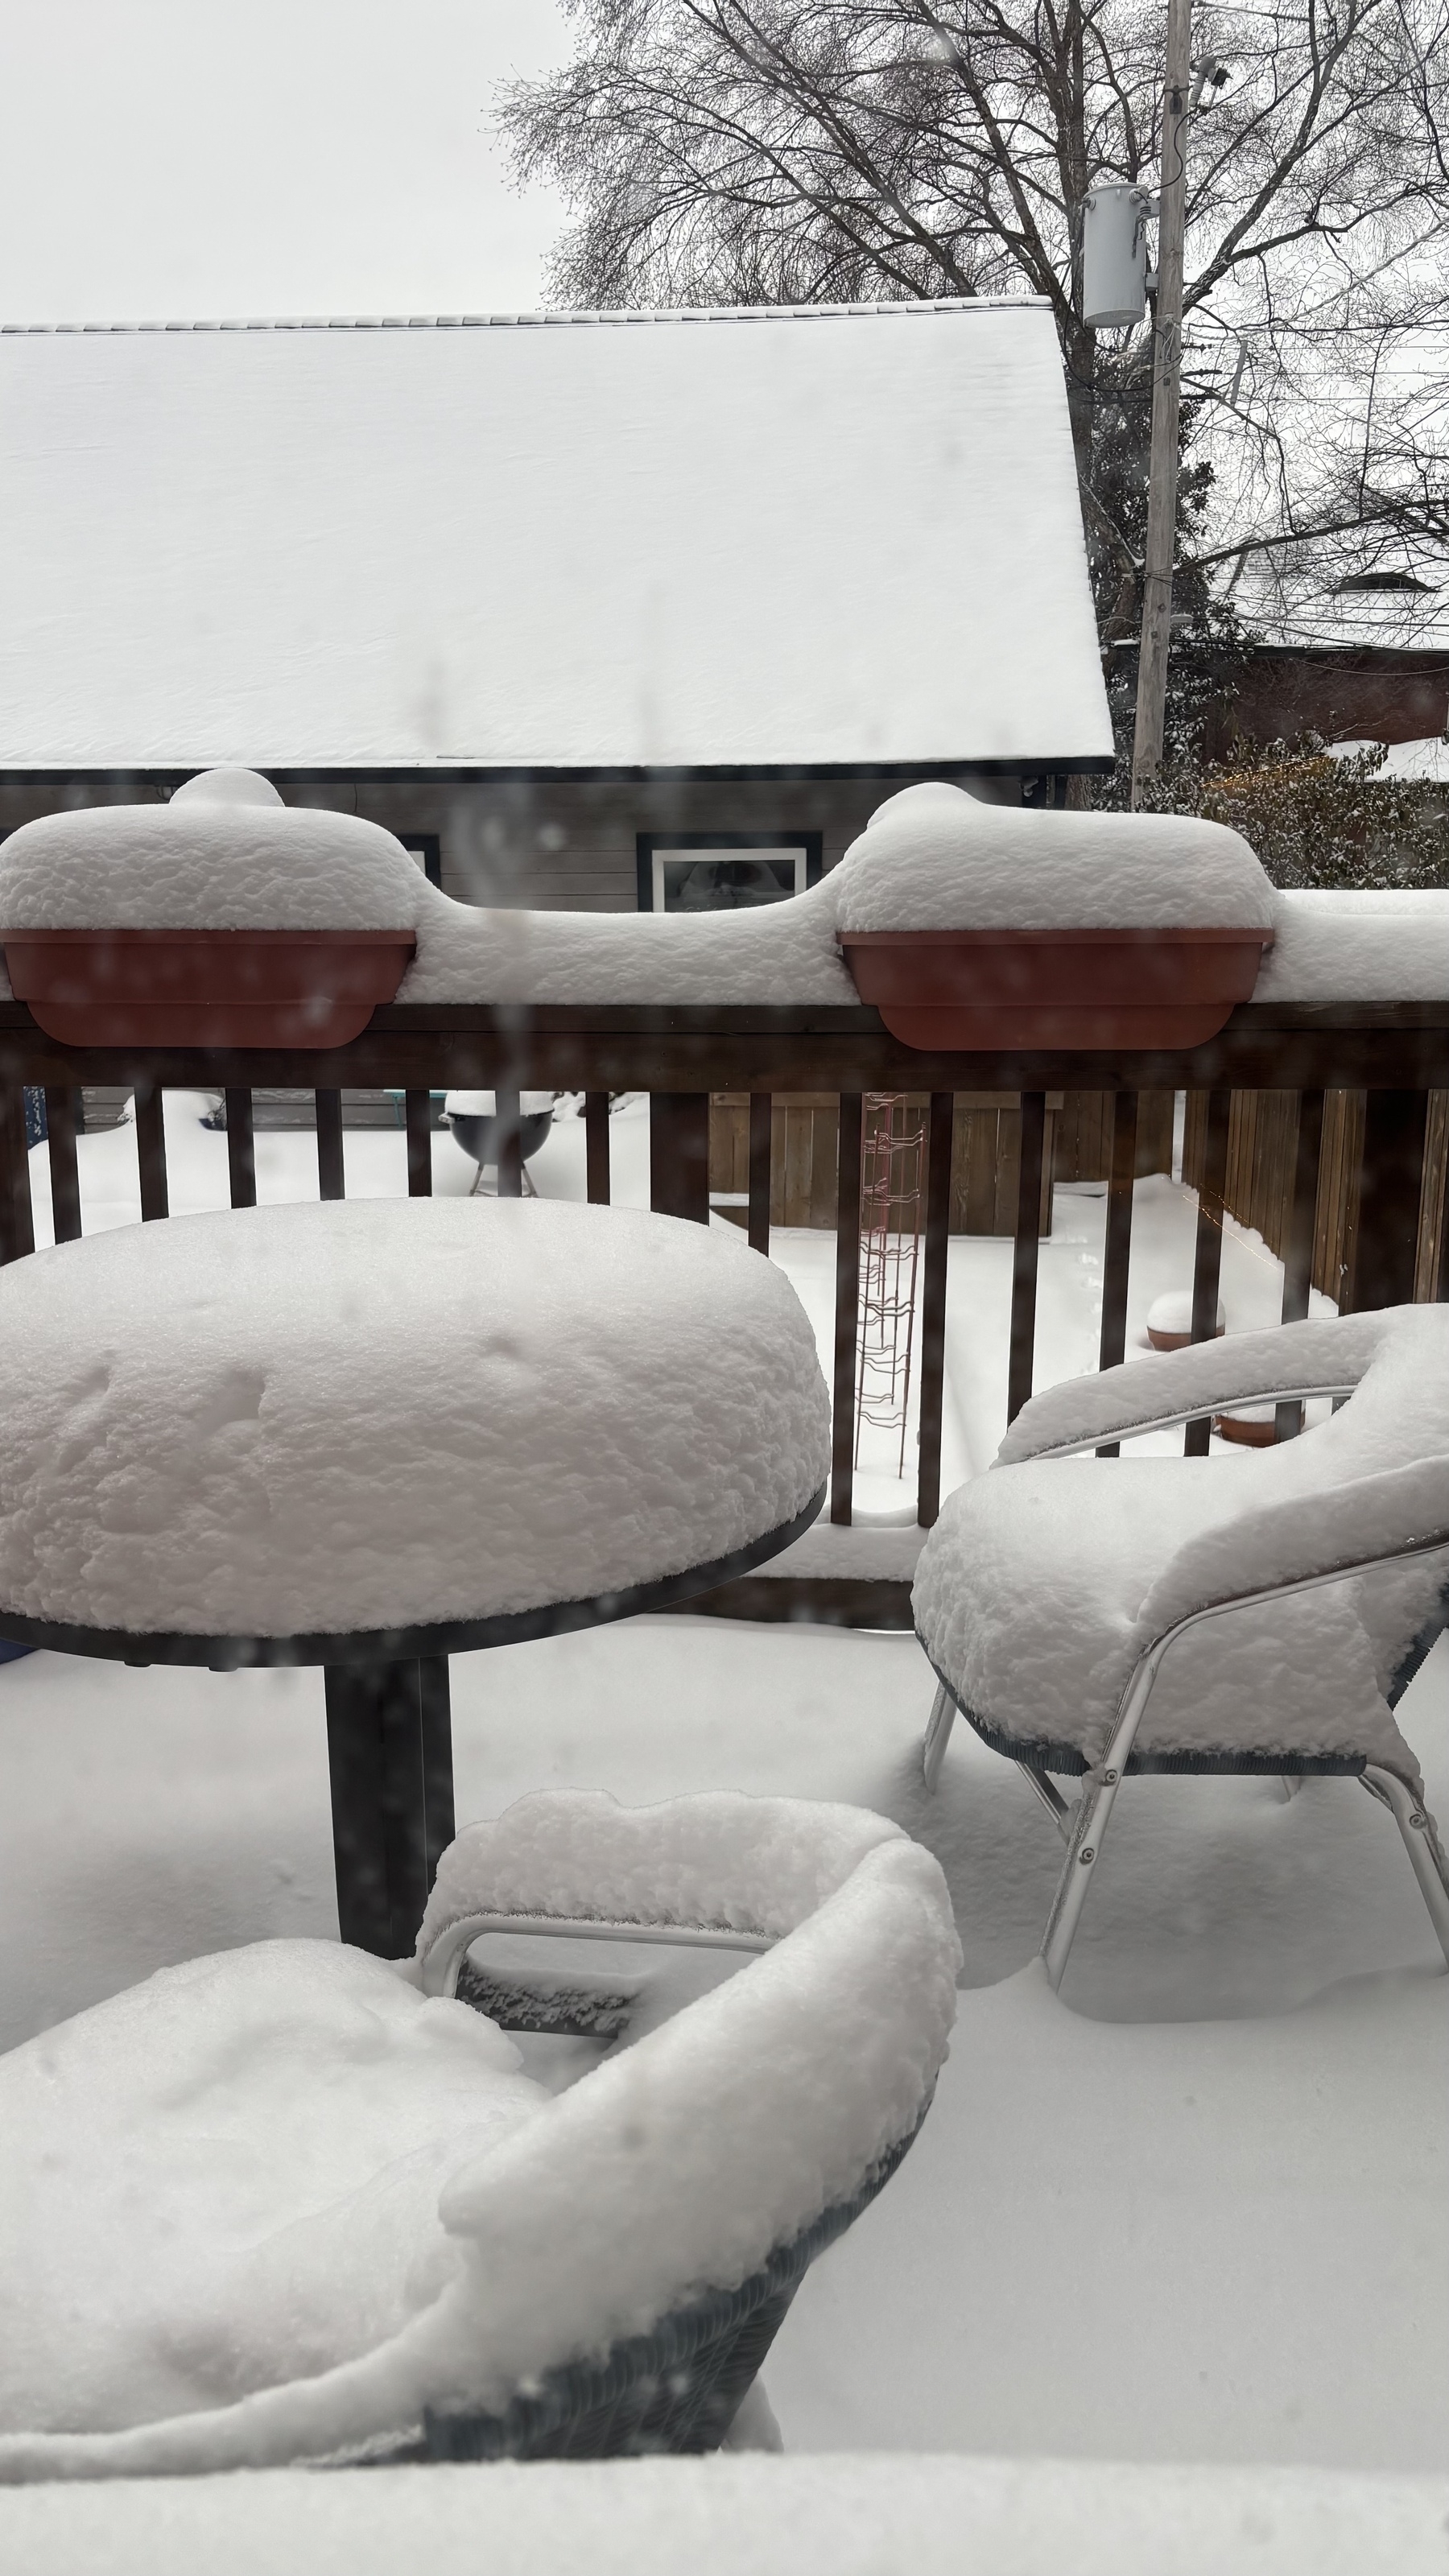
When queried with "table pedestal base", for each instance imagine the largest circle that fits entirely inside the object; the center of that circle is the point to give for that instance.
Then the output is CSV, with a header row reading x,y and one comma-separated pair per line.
x,y
390,1754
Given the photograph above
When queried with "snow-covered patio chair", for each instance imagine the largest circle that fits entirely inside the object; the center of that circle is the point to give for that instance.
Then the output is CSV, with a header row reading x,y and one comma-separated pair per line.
x,y
295,2203
1260,1613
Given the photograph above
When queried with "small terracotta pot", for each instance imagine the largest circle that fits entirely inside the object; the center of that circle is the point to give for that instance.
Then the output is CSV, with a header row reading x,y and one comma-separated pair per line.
x,y
1245,1435
1178,1341
995,990
205,988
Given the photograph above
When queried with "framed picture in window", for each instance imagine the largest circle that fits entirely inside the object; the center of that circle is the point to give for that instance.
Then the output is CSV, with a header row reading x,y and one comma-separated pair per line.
x,y
724,871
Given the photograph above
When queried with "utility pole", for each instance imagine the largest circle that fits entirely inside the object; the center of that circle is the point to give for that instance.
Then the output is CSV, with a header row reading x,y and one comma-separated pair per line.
x,y
1177,106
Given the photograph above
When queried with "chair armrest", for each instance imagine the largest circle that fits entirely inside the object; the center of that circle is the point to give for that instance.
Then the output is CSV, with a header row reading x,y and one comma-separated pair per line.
x,y
717,1870
1325,1356
439,1964
1303,1539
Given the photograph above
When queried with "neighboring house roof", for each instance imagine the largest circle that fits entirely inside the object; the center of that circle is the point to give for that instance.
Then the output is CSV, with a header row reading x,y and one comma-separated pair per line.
x,y
835,536
1330,601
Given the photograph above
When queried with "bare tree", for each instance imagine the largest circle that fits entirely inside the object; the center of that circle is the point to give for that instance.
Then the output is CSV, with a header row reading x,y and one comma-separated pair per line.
x,y
764,151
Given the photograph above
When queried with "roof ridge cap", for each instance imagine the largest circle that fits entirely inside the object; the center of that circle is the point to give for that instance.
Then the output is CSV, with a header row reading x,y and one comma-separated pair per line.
x,y
546,320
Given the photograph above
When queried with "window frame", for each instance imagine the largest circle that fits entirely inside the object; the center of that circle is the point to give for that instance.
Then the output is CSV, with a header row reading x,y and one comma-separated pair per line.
x,y
811,845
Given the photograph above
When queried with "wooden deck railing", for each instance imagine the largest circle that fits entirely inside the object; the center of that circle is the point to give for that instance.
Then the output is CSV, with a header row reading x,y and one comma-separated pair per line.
x,y
1349,1084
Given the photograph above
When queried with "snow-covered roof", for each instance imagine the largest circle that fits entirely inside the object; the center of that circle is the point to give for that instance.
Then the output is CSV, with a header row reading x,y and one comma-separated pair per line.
x,y
1328,601
770,537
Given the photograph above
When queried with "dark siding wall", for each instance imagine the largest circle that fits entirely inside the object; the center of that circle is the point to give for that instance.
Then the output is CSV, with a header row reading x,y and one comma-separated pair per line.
x,y
1383,696
565,846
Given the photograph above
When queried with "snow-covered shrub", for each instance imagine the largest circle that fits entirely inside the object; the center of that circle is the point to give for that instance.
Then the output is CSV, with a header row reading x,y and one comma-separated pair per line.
x,y
1316,818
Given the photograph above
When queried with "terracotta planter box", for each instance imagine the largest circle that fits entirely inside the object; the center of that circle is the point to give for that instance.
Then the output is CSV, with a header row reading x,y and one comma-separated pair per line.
x,y
205,988
990,990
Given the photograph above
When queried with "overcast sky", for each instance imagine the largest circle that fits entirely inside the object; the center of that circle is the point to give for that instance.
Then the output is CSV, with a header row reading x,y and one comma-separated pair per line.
x,y
185,160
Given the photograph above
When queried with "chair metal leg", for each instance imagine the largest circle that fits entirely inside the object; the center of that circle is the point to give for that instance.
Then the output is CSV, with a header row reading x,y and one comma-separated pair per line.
x,y
1090,1818
938,1736
1421,1842
1050,1796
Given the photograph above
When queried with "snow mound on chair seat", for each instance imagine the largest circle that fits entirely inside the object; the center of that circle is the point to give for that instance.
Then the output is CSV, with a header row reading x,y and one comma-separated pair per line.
x,y
229,2176
1044,1580
676,2166
218,857
934,858
375,1414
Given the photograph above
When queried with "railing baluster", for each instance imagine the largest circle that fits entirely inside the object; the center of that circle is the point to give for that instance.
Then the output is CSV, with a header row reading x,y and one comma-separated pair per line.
x,y
508,1112
1117,1257
65,1205
418,1106
331,1182
761,1116
1441,1264
1298,1249
679,1154
596,1147
1390,1194
151,1151
1208,1259
847,1305
933,1303
241,1152
1025,1252
17,1225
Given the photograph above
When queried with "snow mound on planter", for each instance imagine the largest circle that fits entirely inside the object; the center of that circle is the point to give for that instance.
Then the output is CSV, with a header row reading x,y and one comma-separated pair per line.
x,y
232,2173
674,2167
225,854
374,1414
934,858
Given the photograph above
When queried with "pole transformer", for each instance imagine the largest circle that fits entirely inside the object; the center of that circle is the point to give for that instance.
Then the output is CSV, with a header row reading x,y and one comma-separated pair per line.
x,y
1166,405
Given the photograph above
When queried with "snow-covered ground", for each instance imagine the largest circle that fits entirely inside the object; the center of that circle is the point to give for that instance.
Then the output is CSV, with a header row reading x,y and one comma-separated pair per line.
x,y
1194,2210
741,2517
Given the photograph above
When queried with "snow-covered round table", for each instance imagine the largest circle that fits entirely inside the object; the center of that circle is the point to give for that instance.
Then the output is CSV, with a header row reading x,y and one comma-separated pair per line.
x,y
372,1433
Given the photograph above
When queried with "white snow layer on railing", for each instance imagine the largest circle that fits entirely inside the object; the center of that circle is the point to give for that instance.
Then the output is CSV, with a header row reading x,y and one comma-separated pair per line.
x,y
932,858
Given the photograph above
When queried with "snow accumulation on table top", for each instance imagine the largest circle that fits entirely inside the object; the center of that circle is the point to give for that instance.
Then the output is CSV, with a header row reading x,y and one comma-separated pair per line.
x,y
742,2516
282,1420
765,537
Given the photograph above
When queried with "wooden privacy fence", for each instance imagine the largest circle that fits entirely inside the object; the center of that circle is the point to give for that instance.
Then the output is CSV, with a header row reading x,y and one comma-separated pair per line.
x,y
1262,1154
1357,1186
985,1153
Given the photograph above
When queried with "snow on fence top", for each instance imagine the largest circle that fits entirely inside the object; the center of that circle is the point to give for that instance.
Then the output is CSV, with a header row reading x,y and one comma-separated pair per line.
x,y
763,538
